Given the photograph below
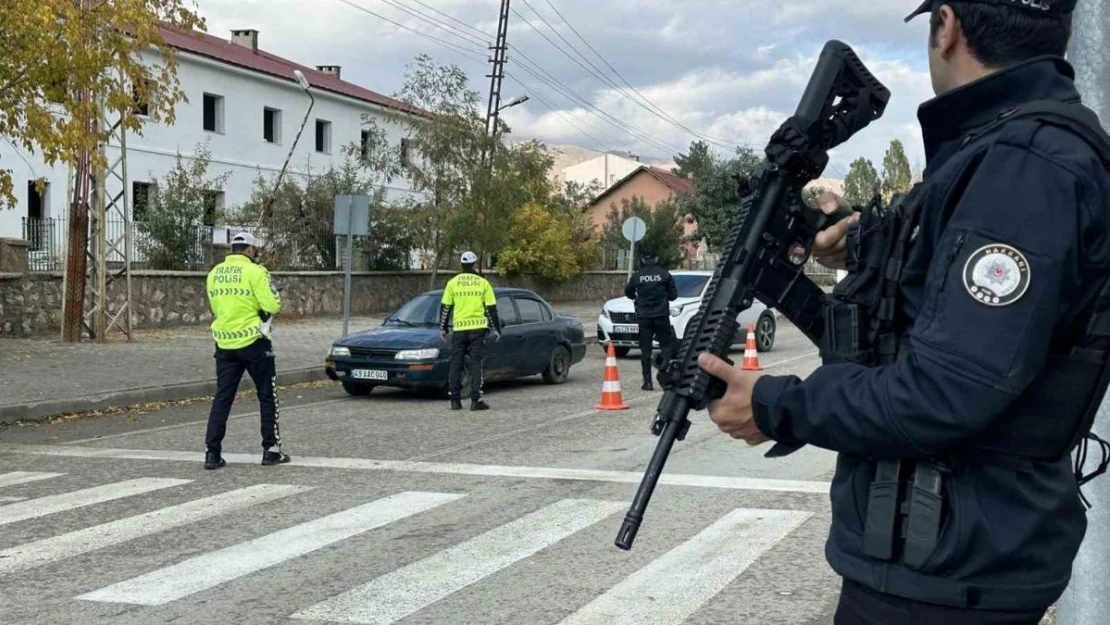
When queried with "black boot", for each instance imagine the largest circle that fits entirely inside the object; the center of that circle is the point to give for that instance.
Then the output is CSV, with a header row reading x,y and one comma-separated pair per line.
x,y
274,457
477,404
648,386
456,404
213,460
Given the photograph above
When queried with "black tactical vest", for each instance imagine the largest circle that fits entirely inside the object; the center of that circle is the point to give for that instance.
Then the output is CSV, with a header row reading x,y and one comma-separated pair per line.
x,y
863,325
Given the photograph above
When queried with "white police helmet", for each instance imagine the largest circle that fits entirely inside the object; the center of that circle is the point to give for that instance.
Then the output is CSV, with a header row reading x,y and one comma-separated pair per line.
x,y
244,238
469,258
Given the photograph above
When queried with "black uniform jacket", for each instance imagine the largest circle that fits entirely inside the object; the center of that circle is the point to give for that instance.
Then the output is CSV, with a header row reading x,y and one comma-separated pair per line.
x,y
652,289
1014,227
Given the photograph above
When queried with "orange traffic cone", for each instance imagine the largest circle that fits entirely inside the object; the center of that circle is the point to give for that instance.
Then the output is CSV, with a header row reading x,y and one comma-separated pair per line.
x,y
611,398
751,354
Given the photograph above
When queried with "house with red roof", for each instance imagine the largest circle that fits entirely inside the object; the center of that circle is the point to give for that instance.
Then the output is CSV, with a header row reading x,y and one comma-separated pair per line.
x,y
246,105
653,185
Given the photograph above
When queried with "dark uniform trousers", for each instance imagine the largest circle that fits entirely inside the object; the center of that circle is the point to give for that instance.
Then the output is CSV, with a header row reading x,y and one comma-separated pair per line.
x,y
472,343
860,605
657,328
257,359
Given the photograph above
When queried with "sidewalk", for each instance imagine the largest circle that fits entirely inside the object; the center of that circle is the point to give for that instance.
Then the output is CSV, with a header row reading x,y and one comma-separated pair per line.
x,y
44,377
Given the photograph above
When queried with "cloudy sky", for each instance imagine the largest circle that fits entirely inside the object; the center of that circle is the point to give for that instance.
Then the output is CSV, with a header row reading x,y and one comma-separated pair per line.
x,y
628,75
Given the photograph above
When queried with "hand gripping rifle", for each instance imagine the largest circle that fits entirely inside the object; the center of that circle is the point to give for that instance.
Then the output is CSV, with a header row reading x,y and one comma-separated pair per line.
x,y
765,253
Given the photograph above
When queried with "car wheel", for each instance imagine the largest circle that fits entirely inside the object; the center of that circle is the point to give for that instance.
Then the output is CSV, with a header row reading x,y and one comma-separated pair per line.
x,y
357,390
765,333
621,352
558,366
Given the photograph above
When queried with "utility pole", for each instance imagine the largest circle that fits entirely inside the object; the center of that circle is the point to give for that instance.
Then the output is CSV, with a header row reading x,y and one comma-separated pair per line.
x,y
1087,599
490,139
111,237
499,49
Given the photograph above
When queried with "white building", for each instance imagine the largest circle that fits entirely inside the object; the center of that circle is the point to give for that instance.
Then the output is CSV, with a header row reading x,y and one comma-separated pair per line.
x,y
246,105
606,169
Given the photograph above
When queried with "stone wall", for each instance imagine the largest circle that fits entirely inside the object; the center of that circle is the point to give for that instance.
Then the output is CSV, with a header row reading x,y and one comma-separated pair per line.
x,y
31,303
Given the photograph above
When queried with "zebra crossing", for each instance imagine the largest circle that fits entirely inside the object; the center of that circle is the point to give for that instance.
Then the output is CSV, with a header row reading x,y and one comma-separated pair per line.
x,y
680,581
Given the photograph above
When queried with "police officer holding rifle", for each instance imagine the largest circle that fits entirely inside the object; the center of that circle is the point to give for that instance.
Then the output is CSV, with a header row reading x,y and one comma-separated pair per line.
x,y
983,313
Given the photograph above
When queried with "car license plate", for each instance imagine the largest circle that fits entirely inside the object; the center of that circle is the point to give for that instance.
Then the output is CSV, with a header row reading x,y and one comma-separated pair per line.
x,y
368,374
626,329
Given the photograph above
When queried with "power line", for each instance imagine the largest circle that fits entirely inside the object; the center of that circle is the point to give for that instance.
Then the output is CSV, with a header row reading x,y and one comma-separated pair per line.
x,y
719,142
480,32
551,82
596,73
441,42
535,94
613,121
467,37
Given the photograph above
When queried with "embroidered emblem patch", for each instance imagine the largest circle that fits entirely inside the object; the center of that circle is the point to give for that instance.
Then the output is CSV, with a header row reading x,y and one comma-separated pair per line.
x,y
996,275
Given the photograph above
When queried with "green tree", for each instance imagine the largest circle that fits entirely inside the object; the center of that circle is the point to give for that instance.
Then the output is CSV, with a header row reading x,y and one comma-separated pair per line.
x,y
446,142
174,229
862,182
55,52
697,164
717,202
897,177
664,229
541,244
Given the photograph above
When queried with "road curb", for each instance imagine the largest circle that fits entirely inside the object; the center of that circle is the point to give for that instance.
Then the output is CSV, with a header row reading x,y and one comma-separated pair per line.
x,y
39,411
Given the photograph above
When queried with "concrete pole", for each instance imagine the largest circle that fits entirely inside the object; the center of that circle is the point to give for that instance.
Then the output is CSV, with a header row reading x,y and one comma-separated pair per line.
x,y
1087,599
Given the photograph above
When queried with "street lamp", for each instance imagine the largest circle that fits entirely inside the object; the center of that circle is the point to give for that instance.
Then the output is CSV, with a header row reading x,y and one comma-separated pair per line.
x,y
520,99
299,76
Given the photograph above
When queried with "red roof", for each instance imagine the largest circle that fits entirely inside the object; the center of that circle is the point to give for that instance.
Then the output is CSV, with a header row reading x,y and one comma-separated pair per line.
x,y
203,44
673,181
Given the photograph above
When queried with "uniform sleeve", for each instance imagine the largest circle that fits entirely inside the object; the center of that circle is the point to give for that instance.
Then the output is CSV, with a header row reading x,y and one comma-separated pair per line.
x,y
268,298
446,303
630,288
672,290
1004,271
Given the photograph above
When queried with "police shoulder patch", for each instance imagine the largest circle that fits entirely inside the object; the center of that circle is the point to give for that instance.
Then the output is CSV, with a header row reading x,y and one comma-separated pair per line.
x,y
996,275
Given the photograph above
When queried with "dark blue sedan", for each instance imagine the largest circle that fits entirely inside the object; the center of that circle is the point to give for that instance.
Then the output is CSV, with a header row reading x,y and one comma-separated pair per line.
x,y
407,352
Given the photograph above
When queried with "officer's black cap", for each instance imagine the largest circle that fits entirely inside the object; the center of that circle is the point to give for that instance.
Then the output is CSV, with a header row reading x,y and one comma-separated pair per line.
x,y
1042,7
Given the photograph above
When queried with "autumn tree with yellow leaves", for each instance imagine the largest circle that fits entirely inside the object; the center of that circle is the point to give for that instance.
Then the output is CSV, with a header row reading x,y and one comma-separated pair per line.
x,y
61,60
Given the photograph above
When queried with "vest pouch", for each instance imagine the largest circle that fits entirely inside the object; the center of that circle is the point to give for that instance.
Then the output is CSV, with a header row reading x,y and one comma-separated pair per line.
x,y
844,339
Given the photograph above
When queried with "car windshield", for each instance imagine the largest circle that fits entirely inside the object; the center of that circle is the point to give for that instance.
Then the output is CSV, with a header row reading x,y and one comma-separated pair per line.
x,y
690,285
422,310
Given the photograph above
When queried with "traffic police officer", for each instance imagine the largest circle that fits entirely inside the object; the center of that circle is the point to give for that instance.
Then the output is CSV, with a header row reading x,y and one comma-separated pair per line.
x,y
652,289
243,302
976,371
470,307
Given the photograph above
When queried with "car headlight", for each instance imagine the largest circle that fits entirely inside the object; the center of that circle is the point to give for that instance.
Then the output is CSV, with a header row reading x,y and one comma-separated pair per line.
x,y
418,354
340,351
605,313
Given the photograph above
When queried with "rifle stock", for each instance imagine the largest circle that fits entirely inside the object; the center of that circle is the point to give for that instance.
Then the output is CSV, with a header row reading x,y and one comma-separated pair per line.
x,y
760,257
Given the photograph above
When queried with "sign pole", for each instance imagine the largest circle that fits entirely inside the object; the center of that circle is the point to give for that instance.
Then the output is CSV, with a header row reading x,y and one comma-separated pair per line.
x,y
347,272
352,217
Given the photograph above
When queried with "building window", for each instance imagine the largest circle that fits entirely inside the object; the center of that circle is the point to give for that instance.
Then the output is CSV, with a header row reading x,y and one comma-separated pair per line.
x,y
405,145
37,228
213,206
142,100
365,142
142,196
323,136
213,113
271,125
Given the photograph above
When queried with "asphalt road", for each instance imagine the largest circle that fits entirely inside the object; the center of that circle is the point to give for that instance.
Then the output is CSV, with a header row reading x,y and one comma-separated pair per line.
x,y
397,510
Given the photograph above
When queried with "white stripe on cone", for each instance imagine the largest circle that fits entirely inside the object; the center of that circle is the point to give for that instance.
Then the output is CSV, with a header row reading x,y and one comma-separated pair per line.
x,y
610,387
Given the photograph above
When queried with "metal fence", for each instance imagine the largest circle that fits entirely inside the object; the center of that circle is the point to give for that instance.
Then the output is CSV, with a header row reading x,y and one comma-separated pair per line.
x,y
184,248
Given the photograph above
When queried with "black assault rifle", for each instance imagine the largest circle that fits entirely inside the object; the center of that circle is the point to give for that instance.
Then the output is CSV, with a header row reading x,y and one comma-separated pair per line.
x,y
765,253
